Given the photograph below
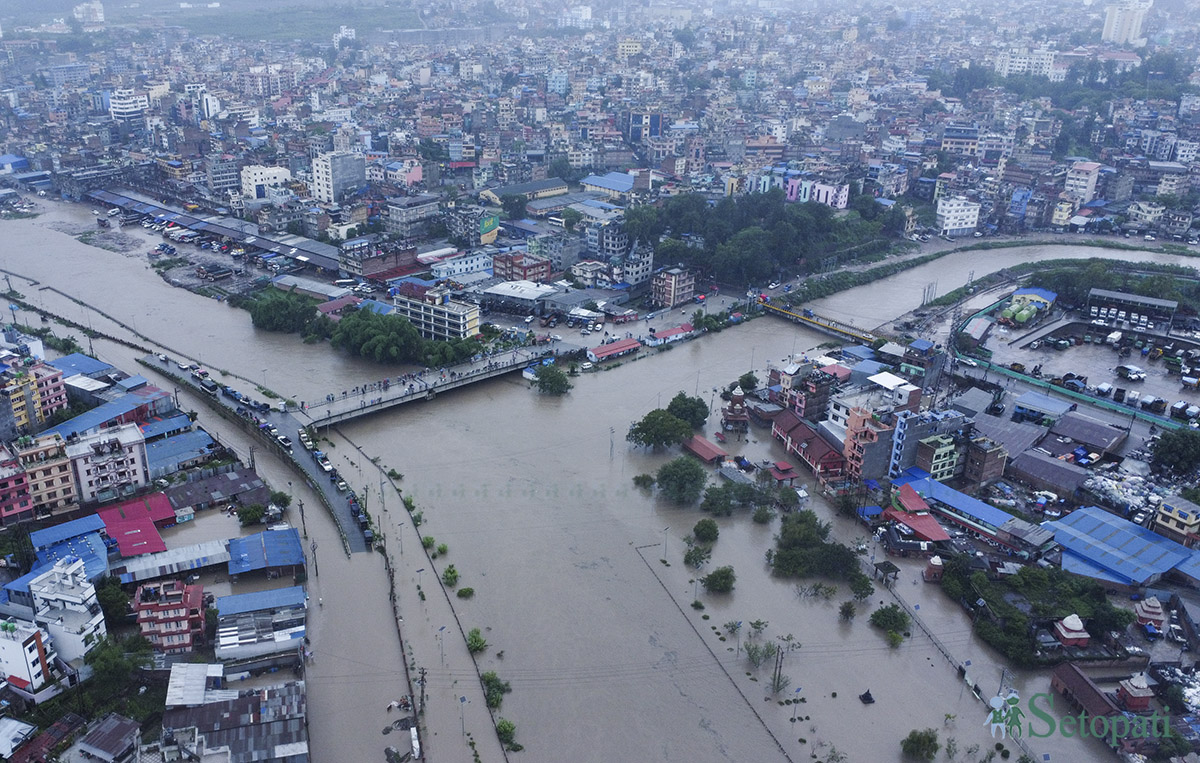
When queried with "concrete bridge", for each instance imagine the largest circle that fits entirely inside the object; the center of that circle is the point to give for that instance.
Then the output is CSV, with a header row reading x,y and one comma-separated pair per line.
x,y
425,387
821,323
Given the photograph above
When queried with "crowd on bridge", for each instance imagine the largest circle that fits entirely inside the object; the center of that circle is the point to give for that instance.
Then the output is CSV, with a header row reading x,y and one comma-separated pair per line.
x,y
420,381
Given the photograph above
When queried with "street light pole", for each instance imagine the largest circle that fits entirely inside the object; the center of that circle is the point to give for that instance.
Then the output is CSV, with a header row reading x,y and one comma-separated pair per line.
x,y
795,703
665,541
441,634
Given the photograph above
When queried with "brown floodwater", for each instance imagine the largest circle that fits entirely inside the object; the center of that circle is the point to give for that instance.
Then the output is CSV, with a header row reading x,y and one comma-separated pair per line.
x,y
534,499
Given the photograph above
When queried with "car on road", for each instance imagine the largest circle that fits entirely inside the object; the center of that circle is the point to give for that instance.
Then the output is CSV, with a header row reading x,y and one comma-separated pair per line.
x,y
183,365
556,337
773,285
968,362
529,319
342,486
285,441
162,358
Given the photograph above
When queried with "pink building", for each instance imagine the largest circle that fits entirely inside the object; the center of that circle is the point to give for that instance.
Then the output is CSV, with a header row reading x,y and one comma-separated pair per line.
x,y
15,502
52,393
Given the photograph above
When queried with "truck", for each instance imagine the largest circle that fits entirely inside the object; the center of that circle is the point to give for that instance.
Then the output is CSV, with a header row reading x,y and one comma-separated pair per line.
x,y
1191,382
209,386
1131,373
1113,338
1104,390
1179,410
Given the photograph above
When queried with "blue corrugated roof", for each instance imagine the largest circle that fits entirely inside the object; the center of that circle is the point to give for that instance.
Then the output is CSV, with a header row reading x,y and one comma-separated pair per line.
x,y
1039,402
1117,547
78,363
90,548
181,447
97,417
613,181
40,539
260,600
133,382
859,351
921,345
159,427
376,307
932,489
271,548
1034,291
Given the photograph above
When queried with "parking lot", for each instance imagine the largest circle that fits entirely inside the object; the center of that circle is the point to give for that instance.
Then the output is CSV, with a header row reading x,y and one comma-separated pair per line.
x,y
1097,362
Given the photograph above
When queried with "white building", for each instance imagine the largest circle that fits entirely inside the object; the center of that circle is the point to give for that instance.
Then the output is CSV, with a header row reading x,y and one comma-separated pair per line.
x,y
437,316
257,179
64,603
1123,21
127,105
109,464
956,216
334,174
470,262
1081,181
26,655
1038,63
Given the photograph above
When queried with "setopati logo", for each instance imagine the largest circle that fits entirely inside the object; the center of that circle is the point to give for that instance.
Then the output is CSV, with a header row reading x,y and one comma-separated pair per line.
x,y
1006,718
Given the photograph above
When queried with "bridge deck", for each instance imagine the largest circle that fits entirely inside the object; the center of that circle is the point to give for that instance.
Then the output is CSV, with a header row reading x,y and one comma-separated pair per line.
x,y
425,387
822,323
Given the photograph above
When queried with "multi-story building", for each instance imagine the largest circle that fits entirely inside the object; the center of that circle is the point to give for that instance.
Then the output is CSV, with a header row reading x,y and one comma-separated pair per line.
x,y
985,461
435,314
15,503
256,180
867,445
27,656
521,266
1014,61
673,286
108,464
472,225
34,393
956,216
65,604
635,266
170,615
221,173
463,264
333,174
961,139
48,472
911,427
1178,519
1123,21
128,106
408,216
561,249
1081,181
938,455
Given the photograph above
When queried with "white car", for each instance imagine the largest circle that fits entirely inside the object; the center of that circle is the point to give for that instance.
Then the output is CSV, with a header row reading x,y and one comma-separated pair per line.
x,y
968,362
529,319
773,285
556,337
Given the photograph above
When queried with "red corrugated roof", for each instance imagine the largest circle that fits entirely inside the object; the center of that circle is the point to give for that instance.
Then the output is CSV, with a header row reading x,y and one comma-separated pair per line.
x,y
134,535
911,500
155,507
18,682
706,450
616,348
924,526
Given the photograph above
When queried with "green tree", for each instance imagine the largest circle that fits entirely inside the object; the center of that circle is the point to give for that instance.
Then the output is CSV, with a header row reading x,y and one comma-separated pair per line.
x,y
113,600
846,611
641,223
659,428
475,641
891,619
720,580
281,499
861,586
282,311
921,745
514,205
1177,451
552,381
506,731
681,480
494,689
571,218
693,410
252,514
748,382
450,576
706,531
697,556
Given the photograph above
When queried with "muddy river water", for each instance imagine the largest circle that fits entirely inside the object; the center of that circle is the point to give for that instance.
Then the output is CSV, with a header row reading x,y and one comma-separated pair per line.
x,y
533,496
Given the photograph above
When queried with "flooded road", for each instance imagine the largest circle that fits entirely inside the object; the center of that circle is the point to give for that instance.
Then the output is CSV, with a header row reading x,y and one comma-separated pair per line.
x,y
534,499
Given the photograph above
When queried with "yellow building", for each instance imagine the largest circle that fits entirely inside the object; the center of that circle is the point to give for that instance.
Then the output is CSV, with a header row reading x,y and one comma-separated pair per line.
x,y
48,471
1179,520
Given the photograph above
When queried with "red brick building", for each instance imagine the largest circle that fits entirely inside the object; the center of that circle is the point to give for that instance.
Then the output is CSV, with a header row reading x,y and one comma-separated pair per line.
x,y
170,615
521,266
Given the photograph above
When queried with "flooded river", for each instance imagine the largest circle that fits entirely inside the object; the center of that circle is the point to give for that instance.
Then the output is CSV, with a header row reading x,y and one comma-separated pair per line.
x,y
533,496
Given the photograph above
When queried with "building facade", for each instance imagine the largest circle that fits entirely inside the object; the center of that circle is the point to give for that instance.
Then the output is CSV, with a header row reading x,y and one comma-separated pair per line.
x,y
673,286
333,174
437,316
956,216
48,471
170,615
65,604
109,464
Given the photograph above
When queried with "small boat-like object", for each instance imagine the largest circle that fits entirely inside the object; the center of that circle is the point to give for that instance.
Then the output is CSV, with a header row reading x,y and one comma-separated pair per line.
x,y
720,436
866,698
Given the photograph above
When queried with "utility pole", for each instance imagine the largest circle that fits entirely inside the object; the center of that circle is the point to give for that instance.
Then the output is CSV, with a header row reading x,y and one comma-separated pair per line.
x,y
252,456
421,681
316,569
302,523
